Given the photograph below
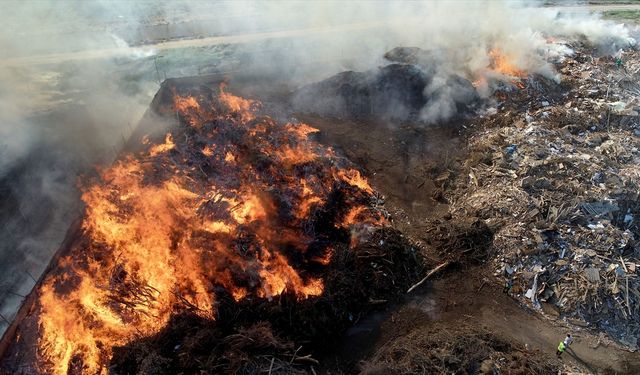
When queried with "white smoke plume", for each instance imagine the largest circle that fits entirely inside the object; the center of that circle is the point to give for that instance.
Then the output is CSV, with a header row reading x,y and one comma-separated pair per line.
x,y
463,38
58,118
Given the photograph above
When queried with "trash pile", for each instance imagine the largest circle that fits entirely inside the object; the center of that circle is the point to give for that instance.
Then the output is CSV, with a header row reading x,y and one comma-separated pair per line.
x,y
554,169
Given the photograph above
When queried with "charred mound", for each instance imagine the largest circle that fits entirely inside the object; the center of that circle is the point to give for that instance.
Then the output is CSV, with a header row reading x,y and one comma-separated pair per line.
x,y
399,91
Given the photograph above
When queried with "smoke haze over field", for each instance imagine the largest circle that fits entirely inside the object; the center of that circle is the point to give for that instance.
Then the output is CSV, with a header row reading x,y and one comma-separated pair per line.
x,y
77,75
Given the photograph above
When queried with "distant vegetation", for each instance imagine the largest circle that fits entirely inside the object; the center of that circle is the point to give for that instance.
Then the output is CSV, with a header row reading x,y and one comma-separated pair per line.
x,y
605,2
630,16
589,2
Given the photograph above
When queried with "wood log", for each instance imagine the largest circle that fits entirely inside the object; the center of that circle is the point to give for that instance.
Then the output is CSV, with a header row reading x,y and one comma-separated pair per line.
x,y
429,274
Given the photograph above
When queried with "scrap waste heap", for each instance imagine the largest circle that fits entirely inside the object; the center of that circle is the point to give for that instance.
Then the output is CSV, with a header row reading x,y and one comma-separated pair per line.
x,y
554,170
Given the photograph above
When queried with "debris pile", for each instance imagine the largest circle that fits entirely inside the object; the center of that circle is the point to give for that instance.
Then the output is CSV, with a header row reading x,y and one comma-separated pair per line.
x,y
284,335
555,170
397,91
231,222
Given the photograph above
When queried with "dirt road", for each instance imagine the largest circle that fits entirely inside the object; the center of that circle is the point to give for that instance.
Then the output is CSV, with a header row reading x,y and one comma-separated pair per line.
x,y
474,299
465,298
151,49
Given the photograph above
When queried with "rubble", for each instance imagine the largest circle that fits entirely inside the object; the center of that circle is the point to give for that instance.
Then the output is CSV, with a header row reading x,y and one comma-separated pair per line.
x,y
558,180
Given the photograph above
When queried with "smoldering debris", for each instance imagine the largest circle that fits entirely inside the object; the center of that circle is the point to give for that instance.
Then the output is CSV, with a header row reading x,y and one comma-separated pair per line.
x,y
398,92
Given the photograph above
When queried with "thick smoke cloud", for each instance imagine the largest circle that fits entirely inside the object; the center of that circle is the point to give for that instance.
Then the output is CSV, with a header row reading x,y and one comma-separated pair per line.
x,y
58,119
462,39
76,76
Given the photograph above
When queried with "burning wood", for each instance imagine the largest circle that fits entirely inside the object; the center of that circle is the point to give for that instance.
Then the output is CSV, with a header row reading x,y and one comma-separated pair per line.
x,y
230,201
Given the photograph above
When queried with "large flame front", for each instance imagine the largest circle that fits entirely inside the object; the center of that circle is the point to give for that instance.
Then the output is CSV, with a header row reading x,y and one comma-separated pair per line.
x,y
226,201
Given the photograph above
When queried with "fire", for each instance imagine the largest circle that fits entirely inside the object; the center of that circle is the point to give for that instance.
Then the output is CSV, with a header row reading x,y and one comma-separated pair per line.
x,y
479,82
164,147
325,259
208,150
184,104
353,177
222,202
237,105
229,157
310,199
503,64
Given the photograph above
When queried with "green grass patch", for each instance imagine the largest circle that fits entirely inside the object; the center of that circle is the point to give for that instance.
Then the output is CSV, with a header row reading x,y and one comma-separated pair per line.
x,y
632,16
615,2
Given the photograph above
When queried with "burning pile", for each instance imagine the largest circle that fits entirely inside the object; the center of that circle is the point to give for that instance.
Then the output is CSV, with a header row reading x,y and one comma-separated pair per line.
x,y
231,208
411,88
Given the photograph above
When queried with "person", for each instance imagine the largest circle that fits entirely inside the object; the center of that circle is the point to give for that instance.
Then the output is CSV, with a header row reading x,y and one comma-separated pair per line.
x,y
618,59
564,344
568,340
561,349
507,286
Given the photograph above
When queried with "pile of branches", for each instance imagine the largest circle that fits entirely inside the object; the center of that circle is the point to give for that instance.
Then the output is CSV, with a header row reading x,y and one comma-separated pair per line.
x,y
369,265
285,334
467,240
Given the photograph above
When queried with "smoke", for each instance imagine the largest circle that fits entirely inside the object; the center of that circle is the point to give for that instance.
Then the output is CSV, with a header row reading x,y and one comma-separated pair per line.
x,y
471,38
58,118
464,39
76,76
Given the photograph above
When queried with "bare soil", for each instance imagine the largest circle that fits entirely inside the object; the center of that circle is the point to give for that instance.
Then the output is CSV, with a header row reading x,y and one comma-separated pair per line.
x,y
402,161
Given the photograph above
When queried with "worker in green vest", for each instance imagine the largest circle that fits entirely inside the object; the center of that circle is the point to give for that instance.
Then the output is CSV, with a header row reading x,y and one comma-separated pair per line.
x,y
564,344
561,349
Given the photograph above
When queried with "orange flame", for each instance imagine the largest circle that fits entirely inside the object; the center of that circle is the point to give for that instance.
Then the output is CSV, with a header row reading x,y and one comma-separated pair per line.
x,y
157,241
185,104
503,64
164,147
238,105
353,178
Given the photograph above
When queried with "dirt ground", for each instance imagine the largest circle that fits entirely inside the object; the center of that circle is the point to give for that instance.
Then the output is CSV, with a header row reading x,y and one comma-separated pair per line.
x,y
402,161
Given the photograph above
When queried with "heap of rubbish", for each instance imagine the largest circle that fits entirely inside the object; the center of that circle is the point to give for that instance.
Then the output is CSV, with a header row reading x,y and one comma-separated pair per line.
x,y
554,170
